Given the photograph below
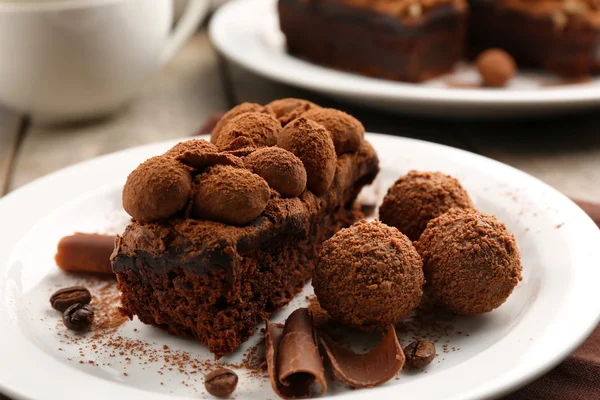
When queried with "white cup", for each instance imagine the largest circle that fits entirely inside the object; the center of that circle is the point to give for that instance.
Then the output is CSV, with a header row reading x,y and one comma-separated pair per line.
x,y
78,59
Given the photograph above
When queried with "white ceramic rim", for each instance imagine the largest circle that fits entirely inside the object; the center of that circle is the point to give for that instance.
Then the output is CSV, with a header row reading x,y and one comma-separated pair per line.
x,y
21,360
239,22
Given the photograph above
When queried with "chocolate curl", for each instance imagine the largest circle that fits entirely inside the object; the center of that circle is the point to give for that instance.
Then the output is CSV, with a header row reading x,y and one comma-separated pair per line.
x,y
293,359
85,252
377,366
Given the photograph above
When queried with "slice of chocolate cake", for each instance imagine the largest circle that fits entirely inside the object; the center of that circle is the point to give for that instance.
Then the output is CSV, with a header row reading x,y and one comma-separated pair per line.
x,y
225,234
562,36
392,39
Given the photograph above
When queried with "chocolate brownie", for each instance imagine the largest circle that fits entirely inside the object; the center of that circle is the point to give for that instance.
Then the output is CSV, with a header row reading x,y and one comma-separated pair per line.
x,y
230,257
390,39
560,36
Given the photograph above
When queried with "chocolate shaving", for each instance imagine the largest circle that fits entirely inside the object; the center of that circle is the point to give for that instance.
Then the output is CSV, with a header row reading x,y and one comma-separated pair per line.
x,y
293,360
85,252
377,366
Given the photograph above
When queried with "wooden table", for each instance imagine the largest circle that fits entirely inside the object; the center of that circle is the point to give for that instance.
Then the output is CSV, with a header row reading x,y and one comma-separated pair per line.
x,y
564,152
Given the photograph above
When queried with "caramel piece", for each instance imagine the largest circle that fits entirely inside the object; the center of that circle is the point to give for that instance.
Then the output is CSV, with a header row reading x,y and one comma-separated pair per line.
x,y
85,252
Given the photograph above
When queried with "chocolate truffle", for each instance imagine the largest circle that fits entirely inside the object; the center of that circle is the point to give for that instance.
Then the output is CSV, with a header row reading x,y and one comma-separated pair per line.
x,y
157,189
250,129
230,195
368,276
199,154
470,260
313,145
282,170
346,131
418,197
234,112
496,67
287,110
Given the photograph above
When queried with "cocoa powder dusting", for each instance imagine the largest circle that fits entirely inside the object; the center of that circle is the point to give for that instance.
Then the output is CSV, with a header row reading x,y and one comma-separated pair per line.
x,y
106,345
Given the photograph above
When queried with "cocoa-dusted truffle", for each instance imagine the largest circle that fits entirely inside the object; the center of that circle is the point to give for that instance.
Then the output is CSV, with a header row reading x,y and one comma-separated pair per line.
x,y
250,129
346,131
418,197
287,110
471,261
368,276
234,112
282,170
157,189
198,153
230,195
313,145
496,67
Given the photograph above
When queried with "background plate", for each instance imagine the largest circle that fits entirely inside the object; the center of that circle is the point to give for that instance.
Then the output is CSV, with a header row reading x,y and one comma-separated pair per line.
x,y
247,32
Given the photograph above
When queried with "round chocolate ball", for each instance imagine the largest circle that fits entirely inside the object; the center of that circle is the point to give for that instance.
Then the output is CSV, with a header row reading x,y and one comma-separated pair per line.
x,y
230,195
470,260
312,144
158,188
416,198
287,110
346,131
496,67
368,276
282,170
250,129
234,112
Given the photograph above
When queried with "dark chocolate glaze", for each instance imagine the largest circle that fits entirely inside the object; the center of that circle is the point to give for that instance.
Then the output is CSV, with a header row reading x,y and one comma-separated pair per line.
x,y
373,43
534,41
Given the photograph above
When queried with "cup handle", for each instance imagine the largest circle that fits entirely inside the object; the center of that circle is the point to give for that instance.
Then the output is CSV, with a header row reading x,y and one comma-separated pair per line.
x,y
194,11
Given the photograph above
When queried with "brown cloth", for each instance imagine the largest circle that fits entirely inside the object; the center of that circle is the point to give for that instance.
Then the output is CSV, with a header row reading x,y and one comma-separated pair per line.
x,y
578,377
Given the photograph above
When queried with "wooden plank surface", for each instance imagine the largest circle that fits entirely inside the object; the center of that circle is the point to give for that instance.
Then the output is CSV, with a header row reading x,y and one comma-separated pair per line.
x,y
174,104
10,127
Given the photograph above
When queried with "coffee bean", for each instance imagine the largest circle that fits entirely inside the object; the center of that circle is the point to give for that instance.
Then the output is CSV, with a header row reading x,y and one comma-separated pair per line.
x,y
419,353
78,317
221,383
65,298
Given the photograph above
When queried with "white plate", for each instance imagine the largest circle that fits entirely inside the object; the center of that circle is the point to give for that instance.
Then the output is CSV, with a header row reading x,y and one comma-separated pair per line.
x,y
247,32
551,311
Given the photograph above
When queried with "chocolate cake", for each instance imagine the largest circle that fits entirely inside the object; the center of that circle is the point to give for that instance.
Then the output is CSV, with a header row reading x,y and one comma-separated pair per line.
x,y
237,249
562,36
392,39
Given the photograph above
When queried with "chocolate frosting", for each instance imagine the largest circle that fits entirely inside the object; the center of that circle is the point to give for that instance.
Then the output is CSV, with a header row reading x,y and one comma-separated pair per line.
x,y
293,360
377,366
